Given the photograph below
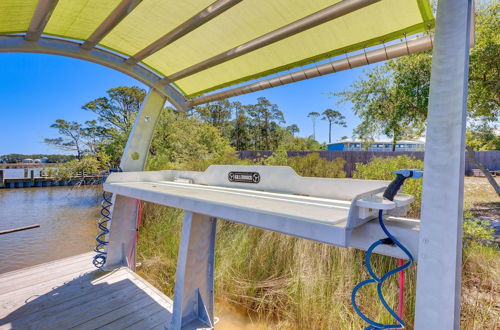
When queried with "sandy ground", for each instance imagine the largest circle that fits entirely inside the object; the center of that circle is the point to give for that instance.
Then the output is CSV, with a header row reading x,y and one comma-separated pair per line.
x,y
481,199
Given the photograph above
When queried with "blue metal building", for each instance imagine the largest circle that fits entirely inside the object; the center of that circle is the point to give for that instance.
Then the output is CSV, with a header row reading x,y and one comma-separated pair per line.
x,y
378,145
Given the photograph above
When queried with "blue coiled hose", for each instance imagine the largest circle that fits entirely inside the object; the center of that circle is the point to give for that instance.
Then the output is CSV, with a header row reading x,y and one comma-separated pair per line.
x,y
380,280
100,257
100,249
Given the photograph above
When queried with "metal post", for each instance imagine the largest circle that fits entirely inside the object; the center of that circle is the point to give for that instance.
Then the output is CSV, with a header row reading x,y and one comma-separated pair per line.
x,y
194,278
124,211
440,242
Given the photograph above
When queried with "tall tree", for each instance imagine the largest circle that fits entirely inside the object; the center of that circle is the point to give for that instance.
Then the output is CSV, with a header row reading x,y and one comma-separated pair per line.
x,y
392,99
334,118
265,116
314,115
484,71
94,136
118,110
71,139
293,129
116,113
218,114
240,136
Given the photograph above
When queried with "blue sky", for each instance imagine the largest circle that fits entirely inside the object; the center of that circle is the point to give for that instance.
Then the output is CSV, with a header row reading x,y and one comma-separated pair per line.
x,y
37,89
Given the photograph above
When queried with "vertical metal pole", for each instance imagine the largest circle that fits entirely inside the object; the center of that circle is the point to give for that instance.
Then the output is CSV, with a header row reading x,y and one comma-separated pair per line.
x,y
124,211
440,245
194,278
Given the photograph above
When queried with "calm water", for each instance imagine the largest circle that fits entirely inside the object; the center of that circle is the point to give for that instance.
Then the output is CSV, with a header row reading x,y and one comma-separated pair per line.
x,y
68,224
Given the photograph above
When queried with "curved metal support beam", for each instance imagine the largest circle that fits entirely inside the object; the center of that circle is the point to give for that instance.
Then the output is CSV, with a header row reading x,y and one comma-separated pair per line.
x,y
17,44
329,13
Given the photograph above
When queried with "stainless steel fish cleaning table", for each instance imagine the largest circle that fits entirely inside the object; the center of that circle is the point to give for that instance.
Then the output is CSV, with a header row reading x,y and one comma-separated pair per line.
x,y
332,211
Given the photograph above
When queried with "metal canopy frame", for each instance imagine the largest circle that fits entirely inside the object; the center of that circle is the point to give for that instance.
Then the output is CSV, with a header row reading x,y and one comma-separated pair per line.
x,y
40,18
439,267
163,84
116,16
191,24
335,11
130,64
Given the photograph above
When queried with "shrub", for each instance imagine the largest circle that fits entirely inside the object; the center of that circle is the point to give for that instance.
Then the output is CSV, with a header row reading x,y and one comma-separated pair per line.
x,y
278,158
313,165
476,228
185,143
382,169
75,168
309,165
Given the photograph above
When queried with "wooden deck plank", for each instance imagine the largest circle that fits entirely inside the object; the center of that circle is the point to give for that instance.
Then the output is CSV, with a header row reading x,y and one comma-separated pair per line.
x,y
41,290
38,317
13,284
111,316
98,305
48,285
158,319
74,290
141,291
139,315
47,266
158,303
70,293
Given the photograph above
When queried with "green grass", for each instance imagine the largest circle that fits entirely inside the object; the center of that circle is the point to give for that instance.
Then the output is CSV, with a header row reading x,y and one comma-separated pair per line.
x,y
293,283
282,279
298,284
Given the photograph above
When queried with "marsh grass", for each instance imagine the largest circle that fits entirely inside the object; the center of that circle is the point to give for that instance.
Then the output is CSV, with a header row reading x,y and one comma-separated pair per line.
x,y
292,283
481,287
287,281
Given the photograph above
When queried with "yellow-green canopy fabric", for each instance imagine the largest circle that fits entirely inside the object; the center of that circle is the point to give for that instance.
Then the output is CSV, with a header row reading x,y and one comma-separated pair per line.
x,y
151,19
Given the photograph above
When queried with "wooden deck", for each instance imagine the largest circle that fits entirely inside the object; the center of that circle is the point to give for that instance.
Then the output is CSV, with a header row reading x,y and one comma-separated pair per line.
x,y
71,293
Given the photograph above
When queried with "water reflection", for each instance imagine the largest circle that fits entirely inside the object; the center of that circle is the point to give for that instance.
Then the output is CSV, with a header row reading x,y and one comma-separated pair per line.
x,y
67,218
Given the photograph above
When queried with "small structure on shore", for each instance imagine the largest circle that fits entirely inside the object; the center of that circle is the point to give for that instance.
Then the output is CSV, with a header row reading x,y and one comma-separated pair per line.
x,y
376,145
28,175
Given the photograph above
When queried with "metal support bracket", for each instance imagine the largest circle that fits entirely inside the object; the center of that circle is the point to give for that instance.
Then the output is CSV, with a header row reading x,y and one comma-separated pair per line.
x,y
194,279
124,211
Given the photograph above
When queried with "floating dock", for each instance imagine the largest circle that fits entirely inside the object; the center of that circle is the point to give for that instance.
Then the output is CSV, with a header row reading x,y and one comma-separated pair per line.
x,y
71,293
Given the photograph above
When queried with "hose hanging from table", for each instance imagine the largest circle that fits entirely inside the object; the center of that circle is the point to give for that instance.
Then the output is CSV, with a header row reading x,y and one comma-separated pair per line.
x,y
389,194
101,238
99,259
380,280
